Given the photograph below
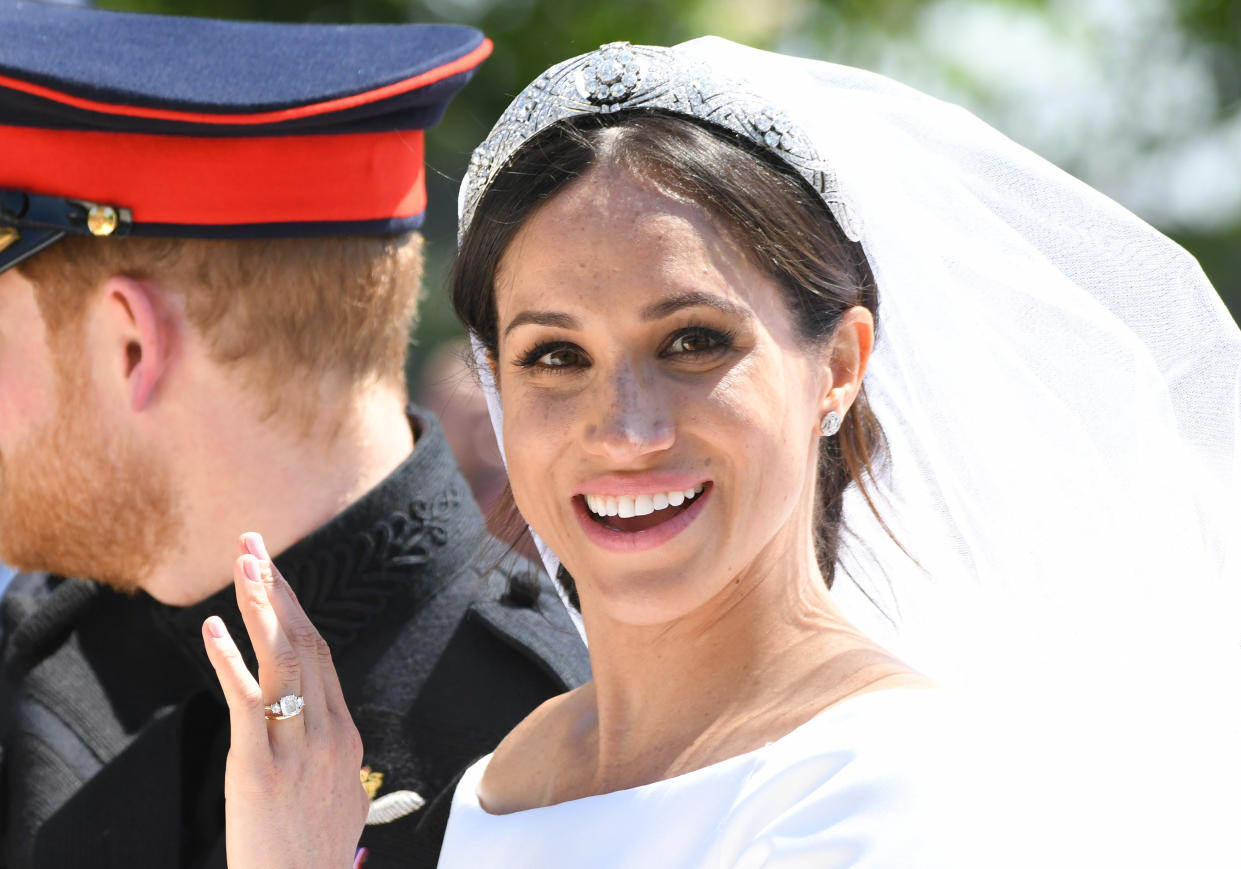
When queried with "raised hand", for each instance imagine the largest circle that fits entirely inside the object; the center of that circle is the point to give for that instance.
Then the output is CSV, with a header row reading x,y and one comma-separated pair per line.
x,y
293,796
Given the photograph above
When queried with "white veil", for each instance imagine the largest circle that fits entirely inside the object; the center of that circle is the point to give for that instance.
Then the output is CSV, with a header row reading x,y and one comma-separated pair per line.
x,y
1060,387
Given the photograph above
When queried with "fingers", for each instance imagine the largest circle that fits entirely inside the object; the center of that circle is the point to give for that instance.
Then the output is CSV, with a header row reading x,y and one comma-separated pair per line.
x,y
293,775
279,663
241,691
318,674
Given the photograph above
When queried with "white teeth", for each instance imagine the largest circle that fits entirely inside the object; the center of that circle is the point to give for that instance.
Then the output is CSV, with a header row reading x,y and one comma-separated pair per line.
x,y
626,506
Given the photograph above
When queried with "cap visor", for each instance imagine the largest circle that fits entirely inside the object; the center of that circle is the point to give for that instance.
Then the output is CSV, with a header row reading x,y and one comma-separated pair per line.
x,y
26,245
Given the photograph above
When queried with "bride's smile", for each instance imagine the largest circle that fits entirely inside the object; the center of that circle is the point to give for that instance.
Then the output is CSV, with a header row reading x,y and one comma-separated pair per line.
x,y
644,515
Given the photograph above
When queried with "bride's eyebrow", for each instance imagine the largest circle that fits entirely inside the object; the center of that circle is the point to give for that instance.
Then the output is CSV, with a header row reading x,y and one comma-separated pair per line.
x,y
655,311
541,318
665,307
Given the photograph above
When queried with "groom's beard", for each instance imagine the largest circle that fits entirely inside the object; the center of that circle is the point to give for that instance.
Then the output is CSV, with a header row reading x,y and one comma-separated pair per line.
x,y
79,500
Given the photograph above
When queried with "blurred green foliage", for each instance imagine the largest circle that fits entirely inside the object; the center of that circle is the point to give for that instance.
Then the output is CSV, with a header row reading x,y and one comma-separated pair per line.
x,y
530,35
1217,25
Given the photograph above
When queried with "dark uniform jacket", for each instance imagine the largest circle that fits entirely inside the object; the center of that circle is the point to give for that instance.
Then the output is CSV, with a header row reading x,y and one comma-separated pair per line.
x,y
115,731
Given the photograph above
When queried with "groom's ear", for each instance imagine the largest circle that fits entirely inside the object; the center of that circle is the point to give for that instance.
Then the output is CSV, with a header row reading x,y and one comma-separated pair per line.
x,y
138,333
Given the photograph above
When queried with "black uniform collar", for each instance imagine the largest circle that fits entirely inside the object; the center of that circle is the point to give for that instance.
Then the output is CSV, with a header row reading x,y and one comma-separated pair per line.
x,y
399,543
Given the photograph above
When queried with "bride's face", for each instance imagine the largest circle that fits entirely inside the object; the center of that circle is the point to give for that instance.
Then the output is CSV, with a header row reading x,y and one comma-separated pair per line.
x,y
660,408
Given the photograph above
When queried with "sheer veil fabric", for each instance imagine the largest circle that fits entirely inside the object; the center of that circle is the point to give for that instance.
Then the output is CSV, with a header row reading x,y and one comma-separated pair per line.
x,y
1060,387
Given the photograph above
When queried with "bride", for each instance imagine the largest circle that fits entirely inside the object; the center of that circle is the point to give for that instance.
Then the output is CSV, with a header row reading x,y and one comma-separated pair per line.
x,y
794,547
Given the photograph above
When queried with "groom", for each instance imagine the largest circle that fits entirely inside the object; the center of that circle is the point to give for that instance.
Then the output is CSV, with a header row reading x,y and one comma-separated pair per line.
x,y
209,266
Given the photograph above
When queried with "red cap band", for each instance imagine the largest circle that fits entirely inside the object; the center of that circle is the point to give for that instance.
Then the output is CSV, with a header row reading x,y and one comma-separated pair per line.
x,y
190,181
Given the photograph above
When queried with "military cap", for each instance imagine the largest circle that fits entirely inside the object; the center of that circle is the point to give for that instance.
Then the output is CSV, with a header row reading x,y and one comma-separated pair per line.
x,y
115,123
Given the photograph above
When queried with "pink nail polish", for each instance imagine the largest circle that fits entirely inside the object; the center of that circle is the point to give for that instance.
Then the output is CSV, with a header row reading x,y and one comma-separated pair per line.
x,y
215,627
254,542
250,566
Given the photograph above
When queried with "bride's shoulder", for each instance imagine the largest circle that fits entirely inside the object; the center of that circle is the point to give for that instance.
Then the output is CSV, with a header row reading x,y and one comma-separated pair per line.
x,y
538,753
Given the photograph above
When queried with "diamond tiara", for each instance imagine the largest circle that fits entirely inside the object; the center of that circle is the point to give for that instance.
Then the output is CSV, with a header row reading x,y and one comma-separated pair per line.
x,y
622,76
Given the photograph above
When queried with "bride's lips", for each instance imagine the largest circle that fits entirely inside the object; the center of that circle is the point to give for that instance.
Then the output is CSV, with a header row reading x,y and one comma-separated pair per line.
x,y
648,538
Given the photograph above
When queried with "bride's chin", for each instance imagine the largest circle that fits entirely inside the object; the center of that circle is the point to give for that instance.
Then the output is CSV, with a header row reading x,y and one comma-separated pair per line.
x,y
641,598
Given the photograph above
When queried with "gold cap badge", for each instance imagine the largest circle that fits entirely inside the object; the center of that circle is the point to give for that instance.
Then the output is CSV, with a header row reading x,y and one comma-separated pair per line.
x,y
8,235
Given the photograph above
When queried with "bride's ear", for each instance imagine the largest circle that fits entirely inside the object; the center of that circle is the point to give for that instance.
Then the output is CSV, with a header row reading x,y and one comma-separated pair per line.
x,y
845,358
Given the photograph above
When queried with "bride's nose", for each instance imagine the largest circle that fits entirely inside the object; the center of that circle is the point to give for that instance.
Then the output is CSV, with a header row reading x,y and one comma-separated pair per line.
x,y
630,416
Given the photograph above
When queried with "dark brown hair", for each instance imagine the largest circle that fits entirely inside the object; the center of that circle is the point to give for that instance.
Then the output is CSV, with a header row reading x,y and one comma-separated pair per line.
x,y
763,204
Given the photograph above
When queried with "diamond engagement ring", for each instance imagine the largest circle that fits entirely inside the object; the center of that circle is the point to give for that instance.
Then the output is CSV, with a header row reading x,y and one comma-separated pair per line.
x,y
286,707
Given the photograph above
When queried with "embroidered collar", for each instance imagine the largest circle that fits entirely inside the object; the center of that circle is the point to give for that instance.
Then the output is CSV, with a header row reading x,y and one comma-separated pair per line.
x,y
405,539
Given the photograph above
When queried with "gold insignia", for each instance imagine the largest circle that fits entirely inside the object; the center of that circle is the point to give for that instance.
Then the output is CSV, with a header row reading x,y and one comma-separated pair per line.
x,y
8,235
102,220
371,781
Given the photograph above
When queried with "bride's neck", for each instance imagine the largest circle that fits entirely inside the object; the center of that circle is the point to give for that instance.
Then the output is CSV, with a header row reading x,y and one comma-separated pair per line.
x,y
762,657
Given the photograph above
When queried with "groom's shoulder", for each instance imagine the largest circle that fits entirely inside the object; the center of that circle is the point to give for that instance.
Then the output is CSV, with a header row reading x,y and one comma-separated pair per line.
x,y
522,609
38,611
496,636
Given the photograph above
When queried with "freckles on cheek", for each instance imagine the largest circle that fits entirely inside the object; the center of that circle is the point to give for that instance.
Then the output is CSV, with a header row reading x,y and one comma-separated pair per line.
x,y
754,404
536,432
535,415
747,398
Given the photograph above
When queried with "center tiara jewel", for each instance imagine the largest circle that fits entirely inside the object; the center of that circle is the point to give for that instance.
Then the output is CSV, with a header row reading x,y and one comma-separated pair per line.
x,y
622,76
611,75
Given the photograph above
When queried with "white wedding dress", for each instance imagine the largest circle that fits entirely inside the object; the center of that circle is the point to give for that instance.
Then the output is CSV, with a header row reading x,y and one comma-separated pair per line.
x,y
894,779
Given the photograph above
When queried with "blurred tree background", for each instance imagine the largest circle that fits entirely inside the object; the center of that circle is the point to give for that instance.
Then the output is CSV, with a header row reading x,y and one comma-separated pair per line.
x,y
1140,98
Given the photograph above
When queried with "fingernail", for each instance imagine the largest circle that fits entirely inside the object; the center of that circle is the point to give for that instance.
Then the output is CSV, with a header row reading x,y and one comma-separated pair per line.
x,y
254,543
215,627
251,567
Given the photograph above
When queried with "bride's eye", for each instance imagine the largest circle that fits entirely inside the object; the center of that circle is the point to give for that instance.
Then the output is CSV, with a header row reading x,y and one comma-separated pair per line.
x,y
698,341
553,356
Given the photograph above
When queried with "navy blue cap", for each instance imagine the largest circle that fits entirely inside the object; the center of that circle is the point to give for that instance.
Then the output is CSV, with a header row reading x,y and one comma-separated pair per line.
x,y
121,123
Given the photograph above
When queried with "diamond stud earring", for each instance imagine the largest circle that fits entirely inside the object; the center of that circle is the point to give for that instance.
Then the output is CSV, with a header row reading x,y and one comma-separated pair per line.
x,y
830,424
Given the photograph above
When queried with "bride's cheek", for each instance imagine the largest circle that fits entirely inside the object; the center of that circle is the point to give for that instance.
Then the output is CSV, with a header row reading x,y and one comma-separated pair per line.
x,y
535,439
